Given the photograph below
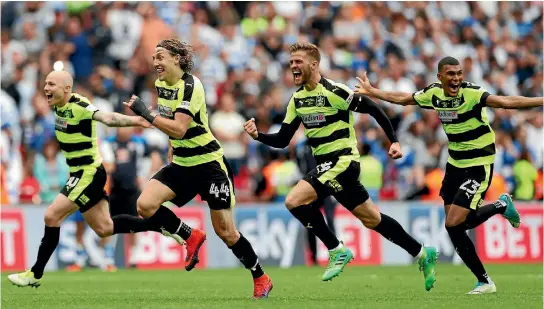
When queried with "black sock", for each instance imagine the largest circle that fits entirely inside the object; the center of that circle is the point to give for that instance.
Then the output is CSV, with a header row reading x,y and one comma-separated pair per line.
x,y
311,217
483,213
166,219
49,242
243,250
312,245
465,248
393,231
124,224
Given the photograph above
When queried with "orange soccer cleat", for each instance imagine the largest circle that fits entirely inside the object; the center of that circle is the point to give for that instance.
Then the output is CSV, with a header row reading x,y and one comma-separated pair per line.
x,y
193,244
262,287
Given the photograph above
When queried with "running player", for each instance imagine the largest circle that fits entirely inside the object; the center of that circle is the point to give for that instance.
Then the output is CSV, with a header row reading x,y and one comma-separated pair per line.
x,y
75,128
197,166
325,109
460,106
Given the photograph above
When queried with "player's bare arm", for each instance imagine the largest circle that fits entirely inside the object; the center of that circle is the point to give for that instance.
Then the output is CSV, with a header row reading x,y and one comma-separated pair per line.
x,y
119,120
513,102
174,128
396,97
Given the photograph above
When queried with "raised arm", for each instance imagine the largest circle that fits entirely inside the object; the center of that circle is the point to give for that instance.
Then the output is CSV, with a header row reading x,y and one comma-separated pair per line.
x,y
396,97
513,102
119,120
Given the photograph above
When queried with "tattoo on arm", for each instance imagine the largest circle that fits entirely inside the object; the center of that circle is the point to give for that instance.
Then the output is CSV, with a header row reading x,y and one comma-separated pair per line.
x,y
114,119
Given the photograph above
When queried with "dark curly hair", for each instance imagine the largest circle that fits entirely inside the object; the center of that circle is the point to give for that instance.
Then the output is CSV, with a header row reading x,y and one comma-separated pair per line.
x,y
184,50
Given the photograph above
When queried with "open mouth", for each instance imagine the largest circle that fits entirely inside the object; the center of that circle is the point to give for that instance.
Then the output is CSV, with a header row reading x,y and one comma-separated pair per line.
x,y
159,70
453,87
49,97
297,75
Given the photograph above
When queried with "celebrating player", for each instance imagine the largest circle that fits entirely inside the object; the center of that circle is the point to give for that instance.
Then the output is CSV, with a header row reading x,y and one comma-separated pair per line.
x,y
460,106
197,165
75,128
325,109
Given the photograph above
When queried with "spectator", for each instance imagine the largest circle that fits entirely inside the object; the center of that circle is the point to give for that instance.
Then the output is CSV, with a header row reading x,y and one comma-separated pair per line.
x,y
227,126
43,128
371,172
51,171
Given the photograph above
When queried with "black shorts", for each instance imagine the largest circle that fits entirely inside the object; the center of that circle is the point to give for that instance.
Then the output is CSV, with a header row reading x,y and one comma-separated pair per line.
x,y
123,202
86,187
339,178
466,187
212,181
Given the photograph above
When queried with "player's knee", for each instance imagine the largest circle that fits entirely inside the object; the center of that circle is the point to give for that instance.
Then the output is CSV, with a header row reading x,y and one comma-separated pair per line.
x,y
368,214
229,235
146,207
104,229
371,220
51,218
292,202
452,221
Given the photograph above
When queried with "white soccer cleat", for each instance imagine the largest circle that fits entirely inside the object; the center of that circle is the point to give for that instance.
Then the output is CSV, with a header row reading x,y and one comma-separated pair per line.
x,y
24,279
483,288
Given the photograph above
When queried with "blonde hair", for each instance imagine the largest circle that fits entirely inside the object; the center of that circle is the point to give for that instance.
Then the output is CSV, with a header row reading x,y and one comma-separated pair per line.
x,y
309,48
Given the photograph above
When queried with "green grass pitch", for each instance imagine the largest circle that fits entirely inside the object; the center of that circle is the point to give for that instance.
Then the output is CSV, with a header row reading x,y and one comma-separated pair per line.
x,y
519,286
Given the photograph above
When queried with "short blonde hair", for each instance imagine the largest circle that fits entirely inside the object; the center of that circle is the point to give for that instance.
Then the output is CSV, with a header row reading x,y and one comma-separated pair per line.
x,y
309,48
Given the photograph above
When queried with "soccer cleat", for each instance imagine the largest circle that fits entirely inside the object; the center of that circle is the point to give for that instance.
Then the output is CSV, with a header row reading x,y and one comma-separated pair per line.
x,y
73,268
262,287
110,268
426,263
193,243
483,288
511,213
25,278
338,259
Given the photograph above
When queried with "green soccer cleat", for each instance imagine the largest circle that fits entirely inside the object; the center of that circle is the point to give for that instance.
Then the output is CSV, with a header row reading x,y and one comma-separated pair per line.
x,y
426,263
511,213
338,259
25,279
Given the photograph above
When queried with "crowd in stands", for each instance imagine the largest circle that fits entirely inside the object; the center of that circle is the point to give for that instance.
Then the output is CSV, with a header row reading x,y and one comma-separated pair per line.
x,y
241,56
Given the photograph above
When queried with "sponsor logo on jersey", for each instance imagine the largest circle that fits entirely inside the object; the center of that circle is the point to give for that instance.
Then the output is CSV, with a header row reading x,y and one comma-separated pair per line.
x,y
313,119
61,124
166,111
447,116
167,94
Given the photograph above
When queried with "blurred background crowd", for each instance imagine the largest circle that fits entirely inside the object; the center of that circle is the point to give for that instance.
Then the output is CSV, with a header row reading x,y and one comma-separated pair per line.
x,y
241,56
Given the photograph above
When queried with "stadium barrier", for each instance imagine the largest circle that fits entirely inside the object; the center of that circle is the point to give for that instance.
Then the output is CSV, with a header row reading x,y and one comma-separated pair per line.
x,y
278,238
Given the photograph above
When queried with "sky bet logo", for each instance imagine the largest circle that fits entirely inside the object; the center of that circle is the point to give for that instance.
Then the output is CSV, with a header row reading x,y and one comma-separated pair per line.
x,y
313,119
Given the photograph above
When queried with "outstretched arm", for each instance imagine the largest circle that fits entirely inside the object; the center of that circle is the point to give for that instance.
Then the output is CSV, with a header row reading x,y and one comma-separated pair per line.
x,y
364,105
513,102
119,120
396,97
280,139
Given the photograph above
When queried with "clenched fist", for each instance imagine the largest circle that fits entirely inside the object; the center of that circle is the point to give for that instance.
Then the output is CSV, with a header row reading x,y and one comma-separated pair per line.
x,y
394,151
251,128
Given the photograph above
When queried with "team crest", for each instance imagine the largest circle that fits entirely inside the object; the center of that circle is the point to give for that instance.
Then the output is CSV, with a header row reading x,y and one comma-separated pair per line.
x,y
320,101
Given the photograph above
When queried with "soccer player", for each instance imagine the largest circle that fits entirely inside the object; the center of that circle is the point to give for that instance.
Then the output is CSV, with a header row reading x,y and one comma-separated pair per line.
x,y
325,109
461,108
197,162
75,128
